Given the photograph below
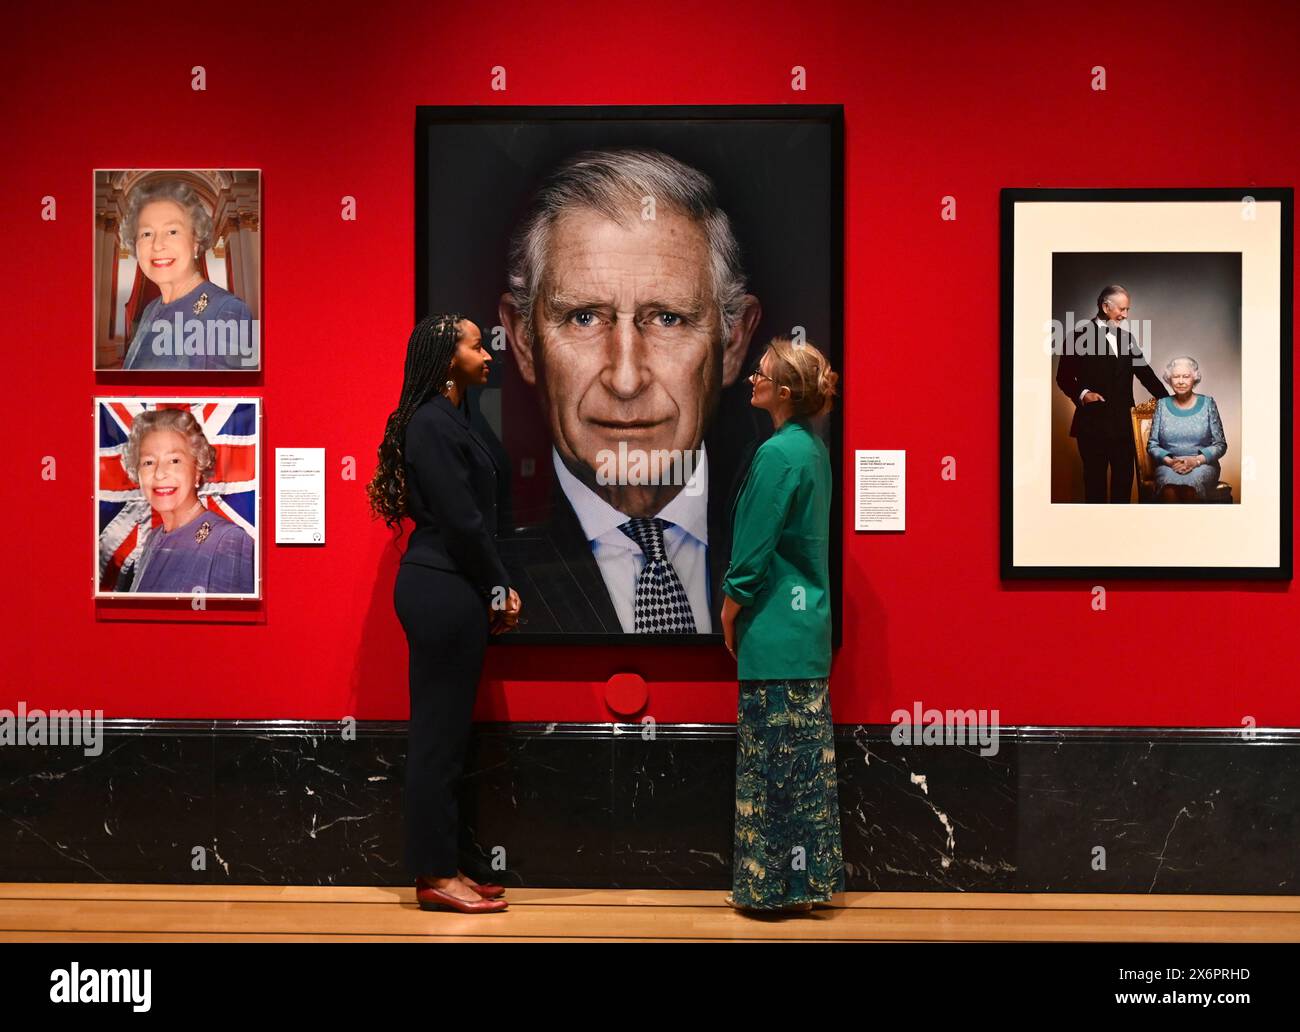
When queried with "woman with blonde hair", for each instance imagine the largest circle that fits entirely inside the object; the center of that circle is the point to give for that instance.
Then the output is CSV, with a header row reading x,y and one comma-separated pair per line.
x,y
776,620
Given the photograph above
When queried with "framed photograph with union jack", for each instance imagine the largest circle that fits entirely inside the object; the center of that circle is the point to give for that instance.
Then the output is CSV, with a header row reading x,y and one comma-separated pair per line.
x,y
177,498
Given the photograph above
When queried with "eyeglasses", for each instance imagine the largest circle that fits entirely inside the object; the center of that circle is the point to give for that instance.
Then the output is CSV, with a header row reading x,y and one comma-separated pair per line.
x,y
757,374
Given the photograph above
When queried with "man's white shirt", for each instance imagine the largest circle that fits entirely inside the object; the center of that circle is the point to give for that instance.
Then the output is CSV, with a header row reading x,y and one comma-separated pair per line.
x,y
1114,348
620,558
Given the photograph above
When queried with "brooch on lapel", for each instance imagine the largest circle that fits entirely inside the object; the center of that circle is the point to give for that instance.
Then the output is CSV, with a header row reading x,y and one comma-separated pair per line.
x,y
201,535
201,303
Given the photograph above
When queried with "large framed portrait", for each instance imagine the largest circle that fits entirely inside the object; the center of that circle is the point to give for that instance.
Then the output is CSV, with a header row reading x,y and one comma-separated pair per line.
x,y
177,270
630,266
177,493
1146,383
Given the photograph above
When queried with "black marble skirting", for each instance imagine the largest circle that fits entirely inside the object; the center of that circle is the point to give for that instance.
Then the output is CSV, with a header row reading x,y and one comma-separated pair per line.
x,y
604,806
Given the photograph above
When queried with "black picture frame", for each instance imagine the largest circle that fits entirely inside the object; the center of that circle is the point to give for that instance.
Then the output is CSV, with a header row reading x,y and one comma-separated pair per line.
x,y
1011,197
831,116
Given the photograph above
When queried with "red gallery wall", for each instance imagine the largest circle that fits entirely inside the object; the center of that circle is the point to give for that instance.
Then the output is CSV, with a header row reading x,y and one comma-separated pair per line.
x,y
957,99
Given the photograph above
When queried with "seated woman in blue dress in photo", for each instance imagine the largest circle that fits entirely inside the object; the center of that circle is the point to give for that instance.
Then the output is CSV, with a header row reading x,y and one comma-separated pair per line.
x,y
1187,440
194,548
193,324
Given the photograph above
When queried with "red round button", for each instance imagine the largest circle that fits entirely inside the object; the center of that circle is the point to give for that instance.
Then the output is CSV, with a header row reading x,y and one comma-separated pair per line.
x,y
626,694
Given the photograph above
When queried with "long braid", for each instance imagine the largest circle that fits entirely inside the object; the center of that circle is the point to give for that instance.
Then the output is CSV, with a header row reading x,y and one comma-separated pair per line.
x,y
429,354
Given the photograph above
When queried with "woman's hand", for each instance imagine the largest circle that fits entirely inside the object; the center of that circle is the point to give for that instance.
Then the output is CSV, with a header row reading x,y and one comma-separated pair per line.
x,y
506,619
730,610
1186,463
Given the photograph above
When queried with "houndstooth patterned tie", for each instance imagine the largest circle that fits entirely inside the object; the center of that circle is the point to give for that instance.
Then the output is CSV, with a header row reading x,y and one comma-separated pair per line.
x,y
661,605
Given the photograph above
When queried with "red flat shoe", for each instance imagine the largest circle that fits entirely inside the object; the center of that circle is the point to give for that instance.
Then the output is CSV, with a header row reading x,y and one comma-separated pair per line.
x,y
485,891
430,898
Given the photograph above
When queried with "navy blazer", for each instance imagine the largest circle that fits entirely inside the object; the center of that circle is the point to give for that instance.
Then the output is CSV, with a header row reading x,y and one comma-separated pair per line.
x,y
451,484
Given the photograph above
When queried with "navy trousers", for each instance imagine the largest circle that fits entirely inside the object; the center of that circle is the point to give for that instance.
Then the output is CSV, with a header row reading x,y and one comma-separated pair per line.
x,y
447,630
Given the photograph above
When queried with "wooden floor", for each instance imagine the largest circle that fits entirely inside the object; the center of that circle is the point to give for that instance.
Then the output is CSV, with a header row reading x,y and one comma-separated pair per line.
x,y
58,912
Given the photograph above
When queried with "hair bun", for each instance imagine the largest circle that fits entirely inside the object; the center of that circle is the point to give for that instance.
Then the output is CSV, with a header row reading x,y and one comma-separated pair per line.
x,y
802,367
826,384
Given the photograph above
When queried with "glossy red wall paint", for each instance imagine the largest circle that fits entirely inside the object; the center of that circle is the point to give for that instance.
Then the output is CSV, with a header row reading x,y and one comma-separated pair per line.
x,y
321,97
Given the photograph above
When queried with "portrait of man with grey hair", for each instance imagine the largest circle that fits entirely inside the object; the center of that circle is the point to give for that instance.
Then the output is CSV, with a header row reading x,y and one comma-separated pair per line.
x,y
640,264
627,312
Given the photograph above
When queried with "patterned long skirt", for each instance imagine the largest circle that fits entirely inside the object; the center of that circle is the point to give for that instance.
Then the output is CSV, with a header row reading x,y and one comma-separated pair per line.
x,y
787,847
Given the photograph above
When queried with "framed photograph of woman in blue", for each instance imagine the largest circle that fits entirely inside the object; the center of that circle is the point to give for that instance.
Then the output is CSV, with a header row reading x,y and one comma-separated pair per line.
x,y
1146,405
177,494
177,270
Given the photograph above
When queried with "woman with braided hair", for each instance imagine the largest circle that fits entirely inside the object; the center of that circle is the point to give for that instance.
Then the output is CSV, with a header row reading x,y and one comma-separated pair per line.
x,y
452,589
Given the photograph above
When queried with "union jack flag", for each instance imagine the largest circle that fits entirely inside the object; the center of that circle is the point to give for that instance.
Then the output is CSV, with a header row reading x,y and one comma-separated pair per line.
x,y
125,518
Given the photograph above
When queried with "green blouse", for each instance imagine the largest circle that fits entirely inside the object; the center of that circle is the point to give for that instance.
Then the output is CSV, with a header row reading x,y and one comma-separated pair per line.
x,y
779,569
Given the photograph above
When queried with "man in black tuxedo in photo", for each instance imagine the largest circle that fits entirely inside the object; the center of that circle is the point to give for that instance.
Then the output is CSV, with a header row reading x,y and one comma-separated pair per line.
x,y
1096,373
